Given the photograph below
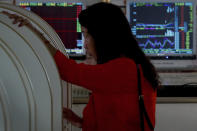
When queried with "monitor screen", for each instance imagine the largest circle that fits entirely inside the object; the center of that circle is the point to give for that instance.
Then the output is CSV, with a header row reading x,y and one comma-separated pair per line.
x,y
164,30
63,17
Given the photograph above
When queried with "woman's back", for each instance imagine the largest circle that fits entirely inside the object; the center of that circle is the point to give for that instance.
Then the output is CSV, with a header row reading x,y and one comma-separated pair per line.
x,y
113,104
117,106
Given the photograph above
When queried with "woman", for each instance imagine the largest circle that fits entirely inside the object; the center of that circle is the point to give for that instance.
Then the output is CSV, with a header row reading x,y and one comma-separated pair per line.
x,y
113,104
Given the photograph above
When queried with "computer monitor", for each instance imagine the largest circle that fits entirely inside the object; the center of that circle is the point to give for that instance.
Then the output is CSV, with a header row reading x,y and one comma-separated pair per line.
x,y
63,17
166,31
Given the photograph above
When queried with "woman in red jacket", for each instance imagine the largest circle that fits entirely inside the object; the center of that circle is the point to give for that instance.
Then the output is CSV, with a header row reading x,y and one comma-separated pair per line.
x,y
113,105
114,102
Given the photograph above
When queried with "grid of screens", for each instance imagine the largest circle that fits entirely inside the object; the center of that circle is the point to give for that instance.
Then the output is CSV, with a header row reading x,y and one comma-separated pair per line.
x,y
163,28
63,17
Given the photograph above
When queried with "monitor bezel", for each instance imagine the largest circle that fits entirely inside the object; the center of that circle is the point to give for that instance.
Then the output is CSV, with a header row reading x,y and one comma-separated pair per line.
x,y
171,56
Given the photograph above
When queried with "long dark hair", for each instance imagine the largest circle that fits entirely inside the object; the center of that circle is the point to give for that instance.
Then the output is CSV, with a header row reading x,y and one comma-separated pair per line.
x,y
111,31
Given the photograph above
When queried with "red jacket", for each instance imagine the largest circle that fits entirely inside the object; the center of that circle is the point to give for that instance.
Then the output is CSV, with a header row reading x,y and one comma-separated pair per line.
x,y
113,105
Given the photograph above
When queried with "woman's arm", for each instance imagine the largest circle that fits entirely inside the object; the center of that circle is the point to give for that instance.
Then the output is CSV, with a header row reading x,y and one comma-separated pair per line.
x,y
92,77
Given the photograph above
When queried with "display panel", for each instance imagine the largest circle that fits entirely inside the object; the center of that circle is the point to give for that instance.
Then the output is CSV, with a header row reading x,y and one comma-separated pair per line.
x,y
164,30
63,17
168,31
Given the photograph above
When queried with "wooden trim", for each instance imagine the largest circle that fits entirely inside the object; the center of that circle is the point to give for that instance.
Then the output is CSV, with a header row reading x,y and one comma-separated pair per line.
x,y
165,100
160,100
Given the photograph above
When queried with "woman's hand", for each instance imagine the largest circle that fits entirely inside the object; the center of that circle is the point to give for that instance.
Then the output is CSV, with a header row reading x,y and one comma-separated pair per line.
x,y
72,117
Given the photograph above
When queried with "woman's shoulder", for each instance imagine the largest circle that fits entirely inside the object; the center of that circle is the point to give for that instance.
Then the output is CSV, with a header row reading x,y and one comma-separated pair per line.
x,y
121,65
124,61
